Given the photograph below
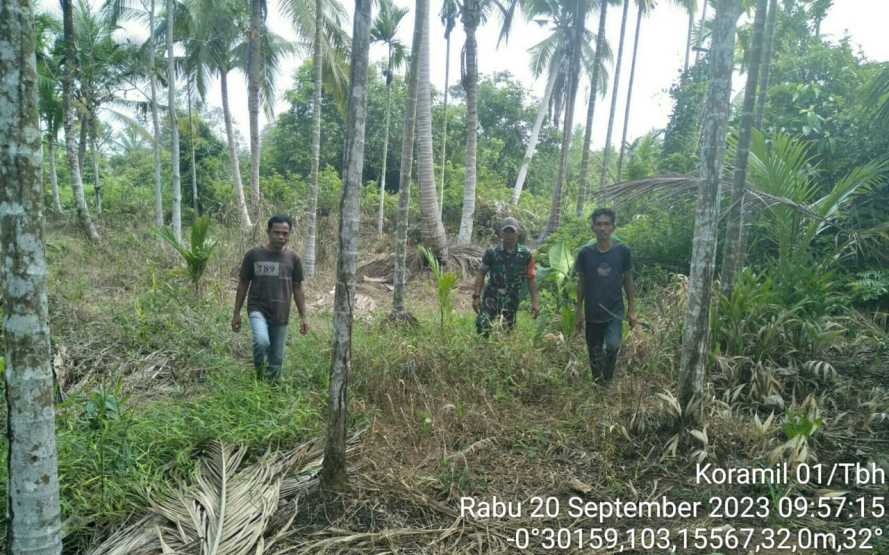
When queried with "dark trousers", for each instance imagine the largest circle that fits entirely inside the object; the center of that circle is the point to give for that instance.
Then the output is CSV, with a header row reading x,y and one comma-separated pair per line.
x,y
603,344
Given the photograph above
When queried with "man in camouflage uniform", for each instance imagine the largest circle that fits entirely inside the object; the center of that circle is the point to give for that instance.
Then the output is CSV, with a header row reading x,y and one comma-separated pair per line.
x,y
508,267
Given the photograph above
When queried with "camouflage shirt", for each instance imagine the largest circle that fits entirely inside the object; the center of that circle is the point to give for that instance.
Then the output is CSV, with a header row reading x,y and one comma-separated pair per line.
x,y
508,273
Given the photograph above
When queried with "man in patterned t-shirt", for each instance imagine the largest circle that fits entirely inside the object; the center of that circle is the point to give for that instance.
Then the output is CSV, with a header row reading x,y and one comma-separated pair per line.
x,y
273,273
603,269
508,266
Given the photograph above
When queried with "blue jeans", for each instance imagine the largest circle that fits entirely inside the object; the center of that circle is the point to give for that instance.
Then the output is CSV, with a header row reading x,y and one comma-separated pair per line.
x,y
268,346
607,334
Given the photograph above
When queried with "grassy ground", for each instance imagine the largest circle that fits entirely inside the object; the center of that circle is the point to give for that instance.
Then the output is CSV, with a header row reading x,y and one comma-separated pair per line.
x,y
151,373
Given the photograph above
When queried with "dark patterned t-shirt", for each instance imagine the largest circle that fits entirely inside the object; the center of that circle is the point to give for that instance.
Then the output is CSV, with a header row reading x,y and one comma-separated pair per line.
x,y
603,278
272,275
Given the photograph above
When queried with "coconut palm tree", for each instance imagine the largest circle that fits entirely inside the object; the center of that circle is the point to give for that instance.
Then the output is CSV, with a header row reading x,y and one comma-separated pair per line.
x,y
691,8
384,29
642,7
552,55
212,47
333,469
49,100
70,58
696,331
583,189
768,48
470,14
433,231
174,126
319,28
407,160
449,12
33,509
258,11
731,256
575,13
615,86
115,11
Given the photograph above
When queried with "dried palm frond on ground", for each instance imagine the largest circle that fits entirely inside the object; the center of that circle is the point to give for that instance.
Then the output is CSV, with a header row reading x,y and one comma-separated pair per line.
x,y
229,509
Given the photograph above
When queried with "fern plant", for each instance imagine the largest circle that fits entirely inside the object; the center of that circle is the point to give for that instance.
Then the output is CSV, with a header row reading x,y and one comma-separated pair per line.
x,y
197,255
870,286
444,282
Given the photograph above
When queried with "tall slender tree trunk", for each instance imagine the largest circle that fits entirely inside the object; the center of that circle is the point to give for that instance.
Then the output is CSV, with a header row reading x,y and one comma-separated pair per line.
x,y
33,514
696,332
691,26
254,71
432,229
53,175
771,24
444,127
583,190
155,123
555,211
174,128
731,256
312,209
333,470
83,213
385,144
407,162
194,170
470,85
81,143
535,134
97,183
700,42
615,89
233,153
623,136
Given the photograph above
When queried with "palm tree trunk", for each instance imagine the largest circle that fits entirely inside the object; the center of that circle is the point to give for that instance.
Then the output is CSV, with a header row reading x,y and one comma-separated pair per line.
x,y
700,41
194,170
70,147
615,88
691,26
233,153
53,175
97,184
555,211
771,24
407,161
156,126
696,332
470,85
32,496
254,66
623,136
385,145
535,134
432,229
81,143
444,125
312,209
731,256
333,470
174,128
583,190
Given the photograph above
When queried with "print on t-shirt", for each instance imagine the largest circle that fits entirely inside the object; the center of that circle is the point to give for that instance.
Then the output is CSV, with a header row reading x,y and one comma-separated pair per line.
x,y
604,269
266,269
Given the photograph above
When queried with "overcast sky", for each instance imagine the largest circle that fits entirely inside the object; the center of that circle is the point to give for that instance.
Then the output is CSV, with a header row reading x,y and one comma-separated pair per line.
x,y
661,54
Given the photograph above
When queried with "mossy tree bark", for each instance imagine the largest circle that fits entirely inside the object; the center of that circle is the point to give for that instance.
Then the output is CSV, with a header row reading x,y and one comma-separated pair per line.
x,y
696,331
32,504
333,470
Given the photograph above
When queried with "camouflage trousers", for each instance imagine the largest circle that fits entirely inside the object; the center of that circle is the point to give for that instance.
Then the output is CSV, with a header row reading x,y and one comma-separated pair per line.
x,y
495,310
